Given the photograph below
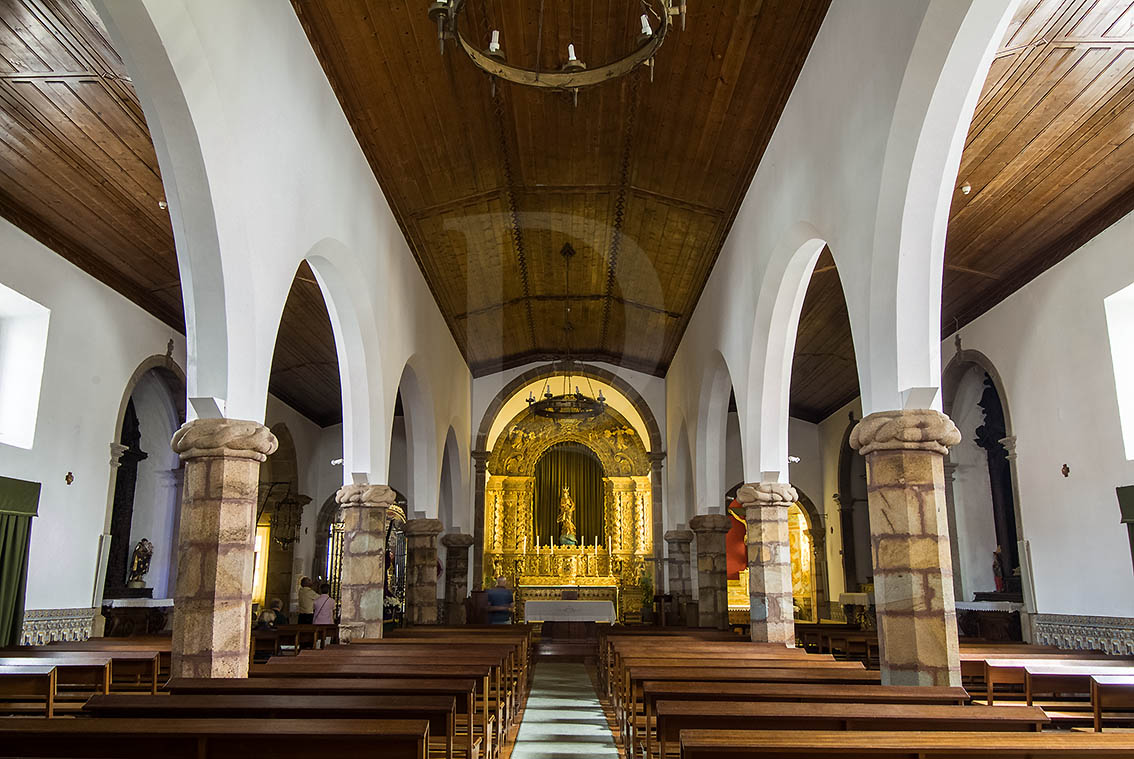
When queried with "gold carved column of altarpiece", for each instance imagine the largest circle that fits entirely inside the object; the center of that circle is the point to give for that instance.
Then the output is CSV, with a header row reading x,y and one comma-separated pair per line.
x,y
600,572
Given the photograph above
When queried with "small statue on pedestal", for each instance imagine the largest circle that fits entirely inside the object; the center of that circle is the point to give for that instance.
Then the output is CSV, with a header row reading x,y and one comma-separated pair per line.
x,y
140,564
567,519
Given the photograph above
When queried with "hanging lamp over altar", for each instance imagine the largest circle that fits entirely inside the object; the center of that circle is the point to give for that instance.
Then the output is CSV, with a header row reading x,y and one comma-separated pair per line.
x,y
571,402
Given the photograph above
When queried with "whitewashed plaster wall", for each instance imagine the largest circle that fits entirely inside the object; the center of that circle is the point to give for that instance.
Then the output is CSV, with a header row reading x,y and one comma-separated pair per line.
x,y
262,170
863,158
95,341
1049,342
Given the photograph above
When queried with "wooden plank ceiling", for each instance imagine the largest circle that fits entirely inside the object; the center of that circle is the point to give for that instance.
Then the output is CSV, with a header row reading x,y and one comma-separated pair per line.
x,y
79,173
643,179
1049,159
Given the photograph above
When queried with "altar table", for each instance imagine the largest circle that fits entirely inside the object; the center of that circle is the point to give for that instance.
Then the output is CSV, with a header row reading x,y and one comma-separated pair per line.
x,y
569,611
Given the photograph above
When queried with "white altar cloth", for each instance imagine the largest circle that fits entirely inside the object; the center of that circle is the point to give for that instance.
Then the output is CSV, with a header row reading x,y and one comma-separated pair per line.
x,y
569,611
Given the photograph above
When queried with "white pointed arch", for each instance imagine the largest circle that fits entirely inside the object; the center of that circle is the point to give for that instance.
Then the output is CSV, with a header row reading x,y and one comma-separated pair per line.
x,y
712,431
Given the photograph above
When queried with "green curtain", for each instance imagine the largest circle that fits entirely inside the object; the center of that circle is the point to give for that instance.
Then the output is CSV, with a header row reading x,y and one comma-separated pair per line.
x,y
577,467
19,501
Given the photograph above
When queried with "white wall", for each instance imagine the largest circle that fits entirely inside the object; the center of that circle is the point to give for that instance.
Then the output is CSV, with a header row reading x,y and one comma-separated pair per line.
x,y
96,339
1050,344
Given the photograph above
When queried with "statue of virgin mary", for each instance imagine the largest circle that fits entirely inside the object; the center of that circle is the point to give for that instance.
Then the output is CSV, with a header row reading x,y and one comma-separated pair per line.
x,y
567,519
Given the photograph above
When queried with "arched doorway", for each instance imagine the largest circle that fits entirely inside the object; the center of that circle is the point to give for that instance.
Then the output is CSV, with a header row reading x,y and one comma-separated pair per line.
x,y
146,484
981,489
604,465
808,561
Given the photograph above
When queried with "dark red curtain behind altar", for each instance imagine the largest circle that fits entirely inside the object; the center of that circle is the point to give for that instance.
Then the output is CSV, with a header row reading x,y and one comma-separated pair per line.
x,y
577,467
736,545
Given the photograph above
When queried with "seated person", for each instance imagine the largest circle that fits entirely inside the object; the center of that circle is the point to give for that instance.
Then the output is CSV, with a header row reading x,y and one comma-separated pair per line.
x,y
500,603
276,605
266,620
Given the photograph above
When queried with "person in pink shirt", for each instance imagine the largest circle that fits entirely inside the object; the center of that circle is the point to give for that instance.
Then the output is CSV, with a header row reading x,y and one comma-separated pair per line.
x,y
324,606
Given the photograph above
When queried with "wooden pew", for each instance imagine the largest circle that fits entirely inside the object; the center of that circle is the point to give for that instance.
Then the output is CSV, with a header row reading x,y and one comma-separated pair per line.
x,y
27,682
161,645
88,674
675,716
1110,691
628,723
138,667
464,691
653,692
483,673
438,711
204,738
1013,671
826,744
1068,680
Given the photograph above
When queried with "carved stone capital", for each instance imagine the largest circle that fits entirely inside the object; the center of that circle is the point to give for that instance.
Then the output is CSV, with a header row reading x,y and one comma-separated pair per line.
x,y
909,430
366,495
480,460
229,438
766,494
116,451
424,527
710,523
679,536
457,540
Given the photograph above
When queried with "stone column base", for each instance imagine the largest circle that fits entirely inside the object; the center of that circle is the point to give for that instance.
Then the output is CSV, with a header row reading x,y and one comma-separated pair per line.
x,y
712,569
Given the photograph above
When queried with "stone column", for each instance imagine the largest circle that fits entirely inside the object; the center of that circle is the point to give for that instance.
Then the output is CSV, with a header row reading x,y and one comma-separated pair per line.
x,y
913,574
657,514
680,581
480,469
362,584
769,560
421,570
456,576
212,617
712,569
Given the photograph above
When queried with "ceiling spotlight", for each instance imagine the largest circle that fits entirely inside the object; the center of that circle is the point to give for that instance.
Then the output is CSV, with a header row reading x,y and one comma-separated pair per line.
x,y
793,459
162,205
966,188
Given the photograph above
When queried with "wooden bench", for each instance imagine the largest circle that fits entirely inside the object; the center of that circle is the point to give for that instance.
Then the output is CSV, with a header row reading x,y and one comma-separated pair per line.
x,y
675,716
29,682
438,711
138,668
1014,671
204,738
86,675
483,673
628,722
824,744
464,691
652,692
161,645
1113,691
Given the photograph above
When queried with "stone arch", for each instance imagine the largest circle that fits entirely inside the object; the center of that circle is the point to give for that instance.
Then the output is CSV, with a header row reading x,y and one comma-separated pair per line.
x,y
900,367
221,349
528,436
818,527
350,308
327,516
779,306
681,478
586,370
712,431
279,487
421,442
450,486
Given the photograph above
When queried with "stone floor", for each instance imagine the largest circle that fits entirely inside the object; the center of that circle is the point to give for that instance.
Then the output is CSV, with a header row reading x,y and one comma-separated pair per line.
x,y
563,717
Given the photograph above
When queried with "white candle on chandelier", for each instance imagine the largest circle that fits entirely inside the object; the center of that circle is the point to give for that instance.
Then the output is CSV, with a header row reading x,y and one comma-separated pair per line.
x,y
494,46
646,30
571,52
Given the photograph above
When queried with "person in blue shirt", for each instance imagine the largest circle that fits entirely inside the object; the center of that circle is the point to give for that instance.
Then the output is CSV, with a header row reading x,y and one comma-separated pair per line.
x,y
500,603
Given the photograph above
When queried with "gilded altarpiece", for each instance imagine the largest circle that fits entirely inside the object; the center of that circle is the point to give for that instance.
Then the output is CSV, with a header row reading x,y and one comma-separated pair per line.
x,y
612,571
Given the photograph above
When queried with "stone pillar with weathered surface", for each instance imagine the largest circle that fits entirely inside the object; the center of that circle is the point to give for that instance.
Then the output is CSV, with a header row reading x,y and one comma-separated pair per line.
x,y
766,507
362,584
712,569
421,570
680,572
913,574
480,470
456,576
212,617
